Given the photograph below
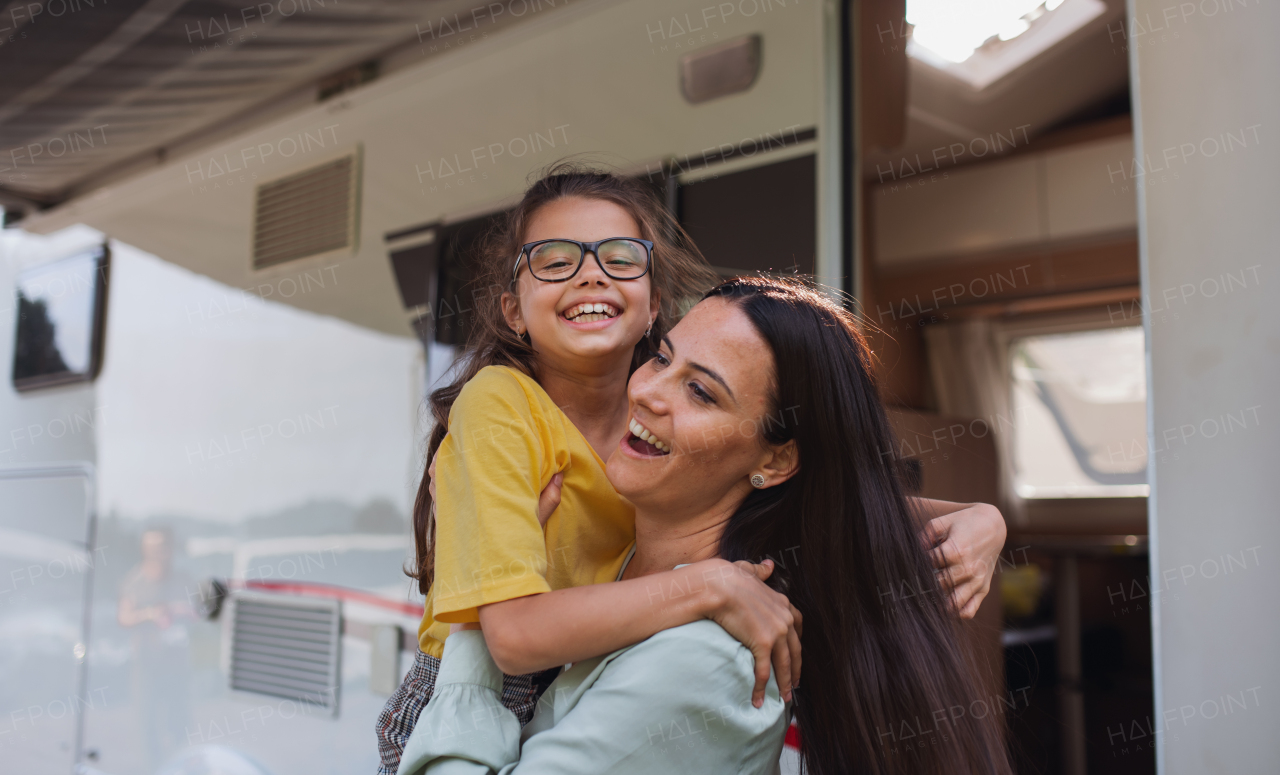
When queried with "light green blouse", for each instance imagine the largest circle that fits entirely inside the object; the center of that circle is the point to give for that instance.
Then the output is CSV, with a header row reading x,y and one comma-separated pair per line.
x,y
677,702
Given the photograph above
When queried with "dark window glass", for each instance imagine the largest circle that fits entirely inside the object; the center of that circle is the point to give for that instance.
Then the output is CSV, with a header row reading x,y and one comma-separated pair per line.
x,y
761,219
455,303
415,270
441,276
60,307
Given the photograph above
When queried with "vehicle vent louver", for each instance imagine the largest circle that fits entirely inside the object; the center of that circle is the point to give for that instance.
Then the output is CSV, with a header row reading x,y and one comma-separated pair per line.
x,y
287,647
307,213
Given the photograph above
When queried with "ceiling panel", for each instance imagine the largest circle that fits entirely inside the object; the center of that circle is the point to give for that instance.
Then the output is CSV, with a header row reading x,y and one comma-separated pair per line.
x,y
100,86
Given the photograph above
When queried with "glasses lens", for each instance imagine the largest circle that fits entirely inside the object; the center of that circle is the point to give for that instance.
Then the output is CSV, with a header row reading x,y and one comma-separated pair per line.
x,y
554,260
624,258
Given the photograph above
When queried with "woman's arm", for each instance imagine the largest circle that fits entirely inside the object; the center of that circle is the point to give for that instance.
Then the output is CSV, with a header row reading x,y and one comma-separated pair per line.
x,y
671,704
465,729
964,542
554,628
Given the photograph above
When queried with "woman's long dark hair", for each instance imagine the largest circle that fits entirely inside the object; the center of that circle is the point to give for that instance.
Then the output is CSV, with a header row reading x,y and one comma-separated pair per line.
x,y
887,686
679,275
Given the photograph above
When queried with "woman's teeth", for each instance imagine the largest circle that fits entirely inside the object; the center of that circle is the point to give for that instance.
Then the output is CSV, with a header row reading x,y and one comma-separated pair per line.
x,y
643,433
590,313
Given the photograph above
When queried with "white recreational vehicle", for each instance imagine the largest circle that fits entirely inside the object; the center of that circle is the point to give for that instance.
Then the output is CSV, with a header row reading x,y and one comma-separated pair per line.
x,y
235,265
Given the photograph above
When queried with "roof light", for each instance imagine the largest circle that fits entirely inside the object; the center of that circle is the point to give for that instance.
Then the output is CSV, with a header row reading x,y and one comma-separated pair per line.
x,y
1013,30
955,30
975,41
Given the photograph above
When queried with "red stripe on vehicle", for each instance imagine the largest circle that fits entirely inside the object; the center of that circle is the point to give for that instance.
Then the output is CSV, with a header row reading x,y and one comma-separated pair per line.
x,y
339,593
793,737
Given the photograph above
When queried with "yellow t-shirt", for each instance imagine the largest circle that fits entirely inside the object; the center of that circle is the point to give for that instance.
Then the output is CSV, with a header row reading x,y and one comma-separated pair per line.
x,y
506,440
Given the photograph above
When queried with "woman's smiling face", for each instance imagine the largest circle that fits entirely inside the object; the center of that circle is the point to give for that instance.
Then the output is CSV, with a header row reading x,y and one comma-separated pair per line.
x,y
559,324
696,414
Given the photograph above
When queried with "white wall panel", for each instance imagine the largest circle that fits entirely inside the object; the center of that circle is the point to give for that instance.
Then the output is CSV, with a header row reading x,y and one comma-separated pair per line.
x,y
1207,110
979,207
1072,192
1089,190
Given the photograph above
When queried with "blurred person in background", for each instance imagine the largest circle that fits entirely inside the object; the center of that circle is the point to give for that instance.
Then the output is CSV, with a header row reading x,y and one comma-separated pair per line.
x,y
154,606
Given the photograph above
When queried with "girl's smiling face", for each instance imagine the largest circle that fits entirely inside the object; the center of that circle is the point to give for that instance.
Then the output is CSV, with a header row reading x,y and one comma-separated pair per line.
x,y
553,313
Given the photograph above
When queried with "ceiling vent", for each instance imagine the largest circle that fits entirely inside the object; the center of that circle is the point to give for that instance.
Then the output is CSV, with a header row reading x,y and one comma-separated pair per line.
x,y
720,71
308,213
287,647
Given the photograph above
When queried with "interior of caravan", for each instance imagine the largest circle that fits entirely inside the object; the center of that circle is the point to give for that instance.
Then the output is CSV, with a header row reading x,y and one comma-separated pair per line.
x,y
1000,278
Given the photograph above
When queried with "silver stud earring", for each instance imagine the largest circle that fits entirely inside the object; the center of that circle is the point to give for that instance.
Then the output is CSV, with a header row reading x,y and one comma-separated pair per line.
x,y
757,481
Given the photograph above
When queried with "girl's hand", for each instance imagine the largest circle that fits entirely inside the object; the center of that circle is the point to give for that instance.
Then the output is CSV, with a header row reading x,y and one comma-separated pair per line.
x,y
965,546
762,620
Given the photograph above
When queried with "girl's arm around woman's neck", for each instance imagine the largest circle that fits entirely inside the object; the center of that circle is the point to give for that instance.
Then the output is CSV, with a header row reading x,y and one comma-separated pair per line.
x,y
532,633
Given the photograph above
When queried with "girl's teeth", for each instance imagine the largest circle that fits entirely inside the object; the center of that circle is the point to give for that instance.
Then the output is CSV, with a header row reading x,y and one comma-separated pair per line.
x,y
589,313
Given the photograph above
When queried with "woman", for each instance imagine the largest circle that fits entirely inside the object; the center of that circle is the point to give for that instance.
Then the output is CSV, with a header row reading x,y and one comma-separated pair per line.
x,y
527,365
755,432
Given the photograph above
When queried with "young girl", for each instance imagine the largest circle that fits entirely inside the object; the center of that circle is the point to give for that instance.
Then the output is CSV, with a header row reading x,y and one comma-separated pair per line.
x,y
593,272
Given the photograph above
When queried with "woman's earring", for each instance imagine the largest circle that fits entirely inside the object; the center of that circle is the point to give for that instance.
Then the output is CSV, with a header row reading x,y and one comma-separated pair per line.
x,y
757,481
648,330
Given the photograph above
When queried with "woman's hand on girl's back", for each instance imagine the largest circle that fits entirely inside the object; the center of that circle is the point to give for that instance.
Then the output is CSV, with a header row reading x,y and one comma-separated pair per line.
x,y
761,619
549,500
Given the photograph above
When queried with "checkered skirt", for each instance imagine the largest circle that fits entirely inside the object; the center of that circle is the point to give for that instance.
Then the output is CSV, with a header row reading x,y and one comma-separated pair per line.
x,y
520,695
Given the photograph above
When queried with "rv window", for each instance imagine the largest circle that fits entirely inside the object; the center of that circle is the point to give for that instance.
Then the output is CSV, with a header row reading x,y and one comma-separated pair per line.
x,y
761,219
457,282
417,272
1079,406
60,309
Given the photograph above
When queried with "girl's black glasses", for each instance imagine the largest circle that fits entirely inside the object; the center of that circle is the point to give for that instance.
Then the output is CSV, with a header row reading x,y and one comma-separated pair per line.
x,y
558,260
